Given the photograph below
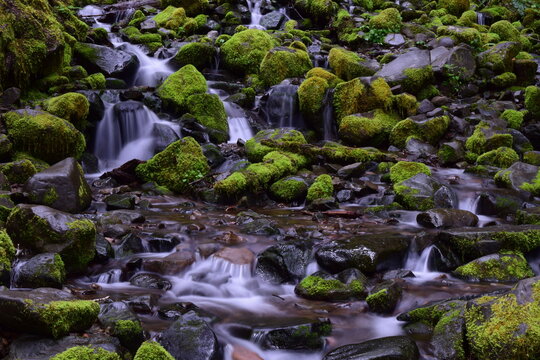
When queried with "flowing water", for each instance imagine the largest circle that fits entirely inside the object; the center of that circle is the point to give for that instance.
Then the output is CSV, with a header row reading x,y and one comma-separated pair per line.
x,y
255,11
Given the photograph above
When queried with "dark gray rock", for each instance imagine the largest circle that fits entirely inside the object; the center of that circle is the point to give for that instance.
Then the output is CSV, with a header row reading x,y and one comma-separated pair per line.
x,y
110,62
447,218
393,347
284,263
307,336
43,270
273,20
150,281
393,71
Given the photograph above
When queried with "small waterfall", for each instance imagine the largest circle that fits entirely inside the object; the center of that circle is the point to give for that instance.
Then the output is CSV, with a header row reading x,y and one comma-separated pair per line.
x,y
480,18
420,264
126,132
329,124
152,71
255,10
110,277
282,106
470,203
238,123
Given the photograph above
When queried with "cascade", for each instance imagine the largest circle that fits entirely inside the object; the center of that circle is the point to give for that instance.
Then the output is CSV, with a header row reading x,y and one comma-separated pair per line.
x,y
255,10
282,106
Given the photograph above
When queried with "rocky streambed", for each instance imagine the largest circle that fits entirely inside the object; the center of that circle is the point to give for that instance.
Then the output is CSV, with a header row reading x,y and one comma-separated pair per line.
x,y
190,179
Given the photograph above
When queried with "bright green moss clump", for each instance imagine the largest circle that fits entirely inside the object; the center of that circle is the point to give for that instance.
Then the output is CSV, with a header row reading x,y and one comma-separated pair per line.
x,y
199,54
455,7
318,10
353,97
318,288
171,13
43,135
417,79
388,19
73,107
282,63
430,130
348,65
87,353
502,157
506,267
7,251
332,79
245,50
311,94
151,350
130,333
63,317
322,188
363,131
289,189
514,118
209,110
505,30
534,186
177,166
532,100
504,80
255,150
95,81
178,87
404,170
17,172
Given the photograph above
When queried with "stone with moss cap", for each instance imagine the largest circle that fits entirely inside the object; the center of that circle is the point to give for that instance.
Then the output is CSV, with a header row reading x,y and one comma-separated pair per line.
x,y
199,54
42,229
245,50
502,267
322,188
18,172
354,97
404,170
311,95
255,150
514,118
388,19
322,286
43,135
179,86
384,297
209,111
43,270
7,254
289,189
86,353
319,11
430,130
532,100
499,58
151,350
73,107
502,157
332,79
171,17
348,65
281,63
505,30
46,311
454,7
369,129
176,167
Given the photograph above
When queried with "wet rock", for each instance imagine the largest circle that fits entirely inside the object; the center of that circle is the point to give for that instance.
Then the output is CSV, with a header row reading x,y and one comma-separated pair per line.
x,y
43,270
394,39
309,336
499,57
503,267
425,106
498,203
42,229
422,192
346,285
170,264
110,62
164,243
130,244
273,20
123,324
43,312
256,224
397,274
61,186
447,218
449,335
283,263
104,249
190,338
419,149
459,57
9,97
238,256
352,170
516,175
148,25
121,217
384,297
393,347
368,253
394,70
150,281
120,201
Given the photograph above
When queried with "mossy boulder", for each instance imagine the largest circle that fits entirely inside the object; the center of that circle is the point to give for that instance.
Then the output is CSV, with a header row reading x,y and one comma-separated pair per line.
x,y
110,62
123,323
18,172
499,58
176,167
504,80
32,44
532,100
430,130
502,157
86,353
322,188
321,286
199,54
43,135
179,86
73,107
7,255
311,95
484,139
41,229
513,118
171,17
245,50
505,30
46,311
422,192
289,189
192,7
152,350
332,79
370,129
255,150
209,111
404,170
354,97
43,270
503,267
388,19
384,297
348,65
454,7
281,63
319,11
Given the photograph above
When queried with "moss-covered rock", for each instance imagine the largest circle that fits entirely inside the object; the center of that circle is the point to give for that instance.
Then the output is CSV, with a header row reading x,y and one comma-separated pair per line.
x,y
505,30
177,166
7,255
42,229
454,7
281,63
43,270
430,130
499,58
514,118
86,353
348,65
371,129
328,288
322,188
532,100
18,172
311,95
179,86
73,107
504,267
95,81
384,297
151,350
255,150
199,54
318,10
404,170
504,80
289,189
353,97
171,17
245,50
332,79
43,135
209,111
388,19
502,157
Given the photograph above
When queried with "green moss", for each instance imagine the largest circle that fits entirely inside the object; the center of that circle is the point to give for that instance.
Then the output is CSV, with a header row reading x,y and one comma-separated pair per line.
x,y
347,65
130,333
363,131
151,350
322,188
199,54
532,157
406,197
82,234
317,288
63,317
510,267
534,186
172,14
477,141
405,104
73,107
514,118
523,241
430,131
454,7
7,251
17,172
282,63
505,30
388,19
353,97
532,100
179,86
404,170
503,157
176,167
319,11
209,110
504,80
245,50
416,79
95,81
289,189
508,330
136,37
499,58
256,151
86,353
311,94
